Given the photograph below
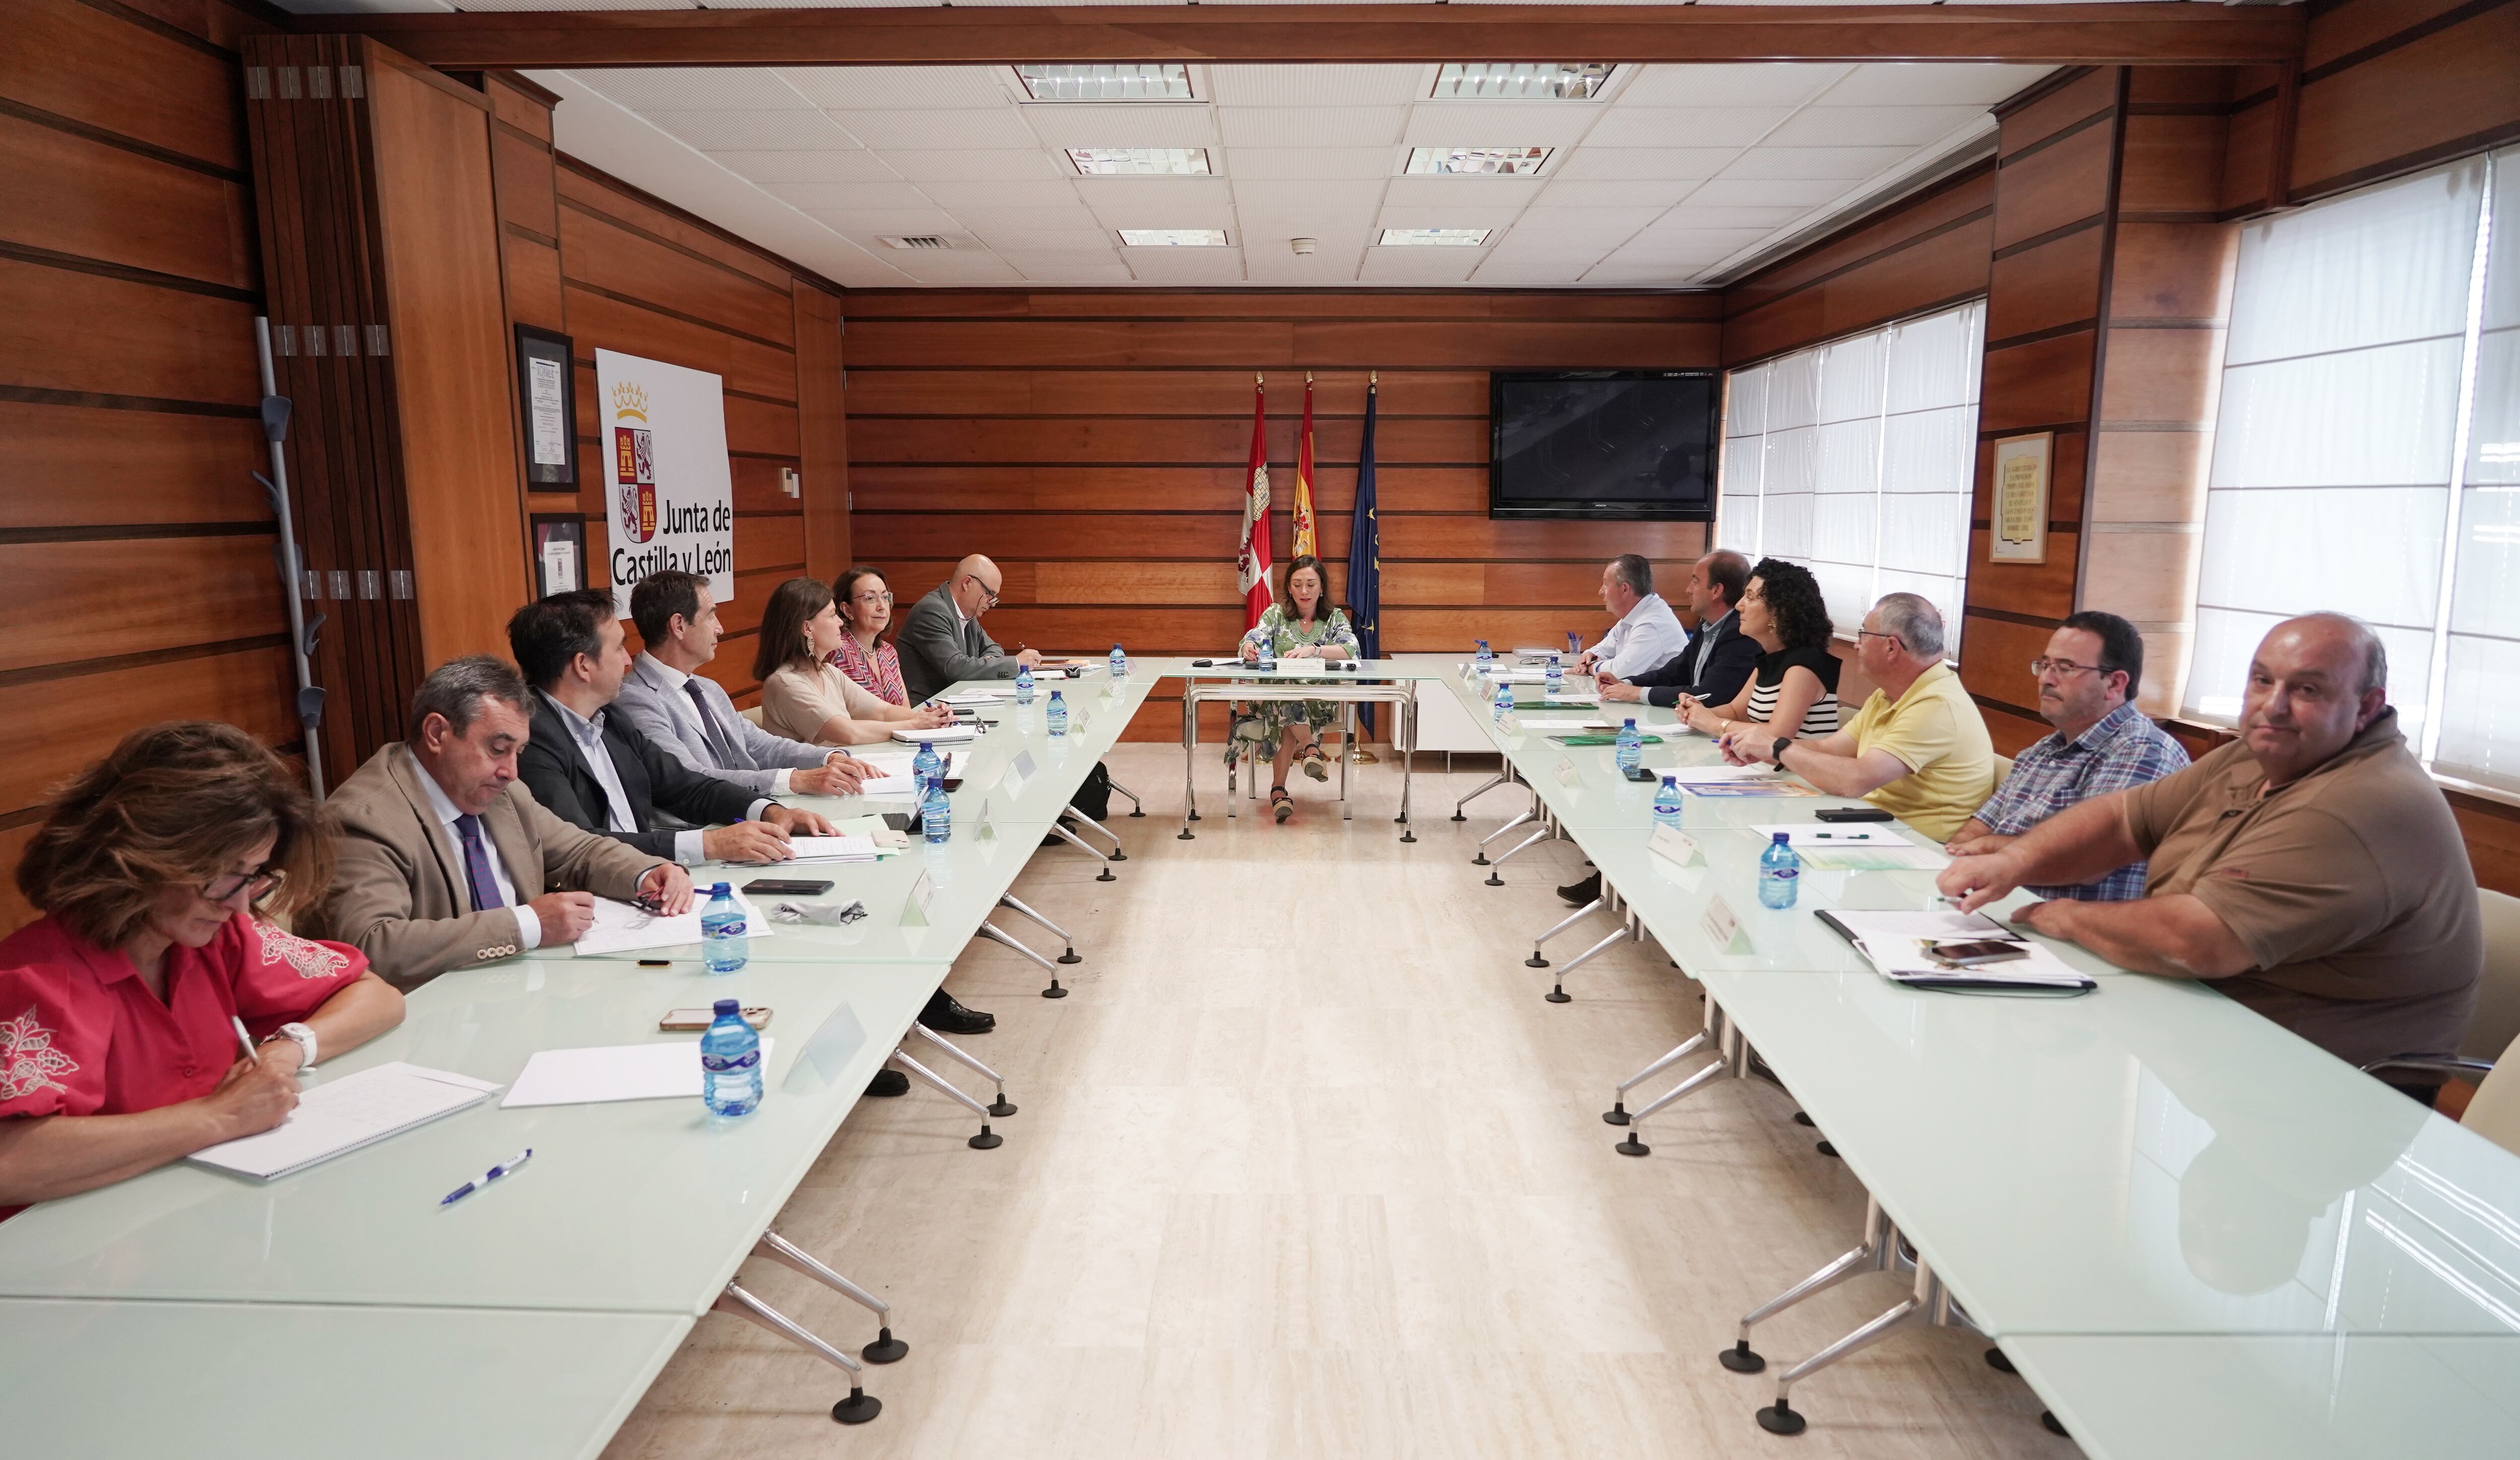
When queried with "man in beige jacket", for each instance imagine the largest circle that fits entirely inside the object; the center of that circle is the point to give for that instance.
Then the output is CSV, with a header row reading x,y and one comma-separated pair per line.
x,y
447,861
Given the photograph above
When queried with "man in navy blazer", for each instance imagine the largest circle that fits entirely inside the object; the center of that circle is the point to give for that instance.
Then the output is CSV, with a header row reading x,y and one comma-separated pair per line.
x,y
594,768
1717,658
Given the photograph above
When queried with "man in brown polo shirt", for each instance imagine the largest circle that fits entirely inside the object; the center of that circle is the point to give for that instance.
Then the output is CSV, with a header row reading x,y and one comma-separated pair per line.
x,y
2310,868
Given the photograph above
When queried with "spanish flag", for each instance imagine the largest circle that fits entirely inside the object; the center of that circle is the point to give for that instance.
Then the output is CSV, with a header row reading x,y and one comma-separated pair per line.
x,y
1302,512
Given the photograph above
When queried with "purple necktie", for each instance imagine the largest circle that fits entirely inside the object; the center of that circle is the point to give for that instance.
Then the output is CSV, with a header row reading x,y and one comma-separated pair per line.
x,y
477,865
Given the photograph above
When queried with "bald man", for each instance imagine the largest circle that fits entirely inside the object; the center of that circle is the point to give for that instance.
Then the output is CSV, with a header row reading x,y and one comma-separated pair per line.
x,y
2310,869
941,640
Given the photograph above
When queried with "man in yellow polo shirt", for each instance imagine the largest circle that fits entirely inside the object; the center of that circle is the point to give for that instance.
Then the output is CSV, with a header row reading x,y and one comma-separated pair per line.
x,y
1917,749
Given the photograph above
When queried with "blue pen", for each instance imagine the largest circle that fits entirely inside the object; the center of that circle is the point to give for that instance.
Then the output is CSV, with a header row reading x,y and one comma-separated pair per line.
x,y
502,1168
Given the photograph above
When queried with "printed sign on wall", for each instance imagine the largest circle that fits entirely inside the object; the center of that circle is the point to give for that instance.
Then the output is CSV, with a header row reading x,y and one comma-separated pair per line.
x,y
672,499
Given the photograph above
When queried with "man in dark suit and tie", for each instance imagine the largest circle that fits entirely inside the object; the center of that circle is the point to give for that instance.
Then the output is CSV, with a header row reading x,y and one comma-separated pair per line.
x,y
595,769
1717,658
941,640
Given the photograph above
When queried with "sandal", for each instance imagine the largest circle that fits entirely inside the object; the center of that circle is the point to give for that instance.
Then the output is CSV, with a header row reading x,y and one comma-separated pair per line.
x,y
1314,765
1280,803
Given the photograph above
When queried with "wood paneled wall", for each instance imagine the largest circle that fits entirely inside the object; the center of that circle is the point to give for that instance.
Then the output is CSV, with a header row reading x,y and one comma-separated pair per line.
x,y
1093,442
591,257
131,531
1925,252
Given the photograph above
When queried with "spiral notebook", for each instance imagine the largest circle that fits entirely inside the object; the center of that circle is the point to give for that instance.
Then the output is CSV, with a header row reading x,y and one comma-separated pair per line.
x,y
340,1115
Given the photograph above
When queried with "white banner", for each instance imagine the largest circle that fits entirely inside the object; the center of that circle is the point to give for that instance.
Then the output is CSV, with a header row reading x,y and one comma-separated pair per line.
x,y
671,497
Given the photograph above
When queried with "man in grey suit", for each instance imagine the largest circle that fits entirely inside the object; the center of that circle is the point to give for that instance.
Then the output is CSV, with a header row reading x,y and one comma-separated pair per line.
x,y
687,714
446,860
941,640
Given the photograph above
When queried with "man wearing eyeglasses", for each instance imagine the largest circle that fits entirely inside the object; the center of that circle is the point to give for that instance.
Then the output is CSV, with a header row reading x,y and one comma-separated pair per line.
x,y
2087,686
941,640
2102,745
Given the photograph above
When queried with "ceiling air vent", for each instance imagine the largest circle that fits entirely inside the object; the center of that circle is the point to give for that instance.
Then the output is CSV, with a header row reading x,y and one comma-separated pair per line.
x,y
917,240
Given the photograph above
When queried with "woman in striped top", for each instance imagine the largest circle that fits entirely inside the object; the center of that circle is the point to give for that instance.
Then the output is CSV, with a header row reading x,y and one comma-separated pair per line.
x,y
1793,689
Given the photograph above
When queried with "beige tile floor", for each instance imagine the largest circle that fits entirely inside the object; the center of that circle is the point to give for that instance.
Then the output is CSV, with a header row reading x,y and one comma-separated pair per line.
x,y
1306,1168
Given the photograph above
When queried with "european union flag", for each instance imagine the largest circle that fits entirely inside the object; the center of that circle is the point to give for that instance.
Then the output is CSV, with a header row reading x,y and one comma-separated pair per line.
x,y
1365,559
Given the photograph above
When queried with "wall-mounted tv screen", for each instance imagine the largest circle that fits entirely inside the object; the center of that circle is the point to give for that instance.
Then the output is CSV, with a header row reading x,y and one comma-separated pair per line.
x,y
1631,444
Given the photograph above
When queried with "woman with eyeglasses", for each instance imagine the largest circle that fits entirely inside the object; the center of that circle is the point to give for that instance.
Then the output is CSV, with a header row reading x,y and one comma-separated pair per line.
x,y
865,603
803,697
155,872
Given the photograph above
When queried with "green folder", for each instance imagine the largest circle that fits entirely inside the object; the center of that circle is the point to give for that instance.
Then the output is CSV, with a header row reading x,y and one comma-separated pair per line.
x,y
1602,740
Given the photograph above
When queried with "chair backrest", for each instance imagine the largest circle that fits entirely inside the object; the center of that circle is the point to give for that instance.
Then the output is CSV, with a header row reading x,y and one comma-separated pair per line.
x,y
752,714
2002,769
2495,1111
2496,1020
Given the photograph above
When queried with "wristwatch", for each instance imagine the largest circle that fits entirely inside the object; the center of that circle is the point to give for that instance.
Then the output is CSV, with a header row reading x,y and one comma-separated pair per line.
x,y
1777,751
301,1035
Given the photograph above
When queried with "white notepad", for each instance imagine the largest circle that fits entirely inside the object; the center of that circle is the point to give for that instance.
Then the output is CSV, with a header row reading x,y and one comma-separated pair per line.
x,y
612,1072
342,1114
620,928
842,848
937,736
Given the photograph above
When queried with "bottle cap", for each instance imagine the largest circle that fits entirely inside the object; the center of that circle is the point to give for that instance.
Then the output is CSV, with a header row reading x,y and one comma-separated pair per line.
x,y
1783,839
1632,722
726,1007
1671,781
721,890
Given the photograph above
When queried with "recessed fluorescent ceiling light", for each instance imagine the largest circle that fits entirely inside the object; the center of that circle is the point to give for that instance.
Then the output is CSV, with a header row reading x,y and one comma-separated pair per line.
x,y
1173,238
1522,80
1456,237
1478,162
1138,161
1102,81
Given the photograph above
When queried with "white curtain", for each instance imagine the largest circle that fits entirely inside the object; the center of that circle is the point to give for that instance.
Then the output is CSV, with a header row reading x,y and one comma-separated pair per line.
x,y
2350,374
1855,459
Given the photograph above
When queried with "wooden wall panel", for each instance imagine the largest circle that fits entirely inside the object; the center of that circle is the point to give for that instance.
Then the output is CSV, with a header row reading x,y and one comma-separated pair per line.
x,y
823,432
1093,442
2421,92
130,525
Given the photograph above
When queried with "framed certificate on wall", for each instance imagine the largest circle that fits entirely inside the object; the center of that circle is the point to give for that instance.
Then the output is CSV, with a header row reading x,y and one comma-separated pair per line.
x,y
2018,525
559,553
547,407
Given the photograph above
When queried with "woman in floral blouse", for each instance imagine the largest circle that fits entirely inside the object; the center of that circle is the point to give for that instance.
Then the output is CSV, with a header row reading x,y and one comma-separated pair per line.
x,y
1302,625
865,601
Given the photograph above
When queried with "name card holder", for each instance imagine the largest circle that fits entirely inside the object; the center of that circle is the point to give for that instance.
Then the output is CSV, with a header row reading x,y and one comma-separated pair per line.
x,y
1723,928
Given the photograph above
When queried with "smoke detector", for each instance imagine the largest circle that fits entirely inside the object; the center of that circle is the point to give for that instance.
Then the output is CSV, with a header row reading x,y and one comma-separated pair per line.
x,y
1303,244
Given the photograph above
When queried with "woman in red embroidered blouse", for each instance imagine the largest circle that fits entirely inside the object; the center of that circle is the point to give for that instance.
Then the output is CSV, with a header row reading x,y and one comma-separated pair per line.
x,y
118,1049
866,611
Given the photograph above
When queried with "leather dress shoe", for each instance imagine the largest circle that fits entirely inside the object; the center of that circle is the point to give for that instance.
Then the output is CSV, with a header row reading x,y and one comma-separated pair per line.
x,y
888,1082
946,1016
1583,891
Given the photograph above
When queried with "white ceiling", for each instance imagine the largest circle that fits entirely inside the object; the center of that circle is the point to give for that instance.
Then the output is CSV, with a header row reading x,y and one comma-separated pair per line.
x,y
1675,175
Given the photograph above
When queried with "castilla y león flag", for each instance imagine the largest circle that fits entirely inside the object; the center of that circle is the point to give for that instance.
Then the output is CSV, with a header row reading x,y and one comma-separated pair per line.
x,y
1251,567
1301,513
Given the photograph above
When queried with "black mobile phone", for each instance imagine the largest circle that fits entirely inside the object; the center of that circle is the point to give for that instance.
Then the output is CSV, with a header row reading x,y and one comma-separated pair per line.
x,y
1642,774
787,887
1203,664
1970,955
1852,813
898,821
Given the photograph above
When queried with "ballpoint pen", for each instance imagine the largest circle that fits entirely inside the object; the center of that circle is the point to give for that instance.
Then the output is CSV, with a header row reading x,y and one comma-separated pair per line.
x,y
243,1038
502,1168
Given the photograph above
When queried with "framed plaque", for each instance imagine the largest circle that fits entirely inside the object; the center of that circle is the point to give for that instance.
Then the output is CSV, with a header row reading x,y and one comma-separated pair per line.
x,y
559,553
2017,527
546,405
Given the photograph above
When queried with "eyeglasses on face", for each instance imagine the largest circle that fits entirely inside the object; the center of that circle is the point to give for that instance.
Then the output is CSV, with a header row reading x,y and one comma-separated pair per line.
x,y
881,596
987,592
253,884
2064,667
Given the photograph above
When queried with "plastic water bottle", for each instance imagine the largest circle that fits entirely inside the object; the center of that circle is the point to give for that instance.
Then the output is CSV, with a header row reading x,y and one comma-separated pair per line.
x,y
1632,747
1023,684
927,764
1058,714
1119,664
1487,655
1781,873
726,945
730,1063
1268,655
1503,700
1574,645
1666,808
935,812
1557,674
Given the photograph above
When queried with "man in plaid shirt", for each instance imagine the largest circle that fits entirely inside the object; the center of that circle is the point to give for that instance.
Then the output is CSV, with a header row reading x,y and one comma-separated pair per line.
x,y
2087,684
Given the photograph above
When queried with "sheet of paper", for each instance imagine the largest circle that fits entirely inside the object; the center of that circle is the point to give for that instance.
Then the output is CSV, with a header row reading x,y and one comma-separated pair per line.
x,y
903,786
620,928
938,736
833,849
1708,775
973,698
346,1114
614,1071
1800,835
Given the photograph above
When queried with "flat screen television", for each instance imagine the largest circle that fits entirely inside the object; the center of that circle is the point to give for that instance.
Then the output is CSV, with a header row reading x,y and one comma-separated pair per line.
x,y
1617,444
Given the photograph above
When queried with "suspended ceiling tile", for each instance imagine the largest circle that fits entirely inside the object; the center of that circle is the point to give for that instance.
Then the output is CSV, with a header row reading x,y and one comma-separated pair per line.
x,y
867,225
1780,86
850,196
938,131
1872,126
1164,210
955,267
1420,215
1794,164
1184,265
1101,193
1318,85
1612,222
1309,163
1298,198
1313,126
1577,193
1692,214
1134,125
1420,266
1282,266
901,88
1594,163
697,89
1684,126
1037,231
754,131
1929,84
1050,192
1749,194
807,166
987,165
1500,123
1096,267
